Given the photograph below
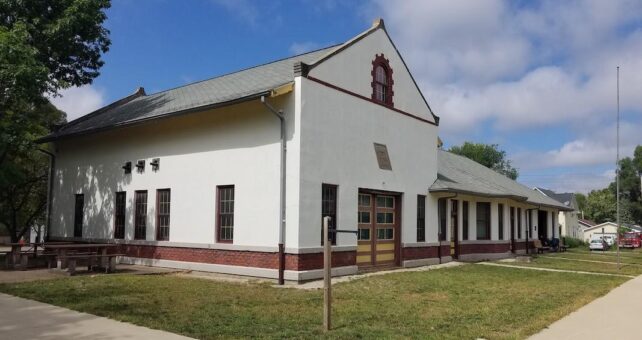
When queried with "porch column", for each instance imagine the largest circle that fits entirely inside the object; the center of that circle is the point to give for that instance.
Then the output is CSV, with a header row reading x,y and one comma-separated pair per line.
x,y
494,221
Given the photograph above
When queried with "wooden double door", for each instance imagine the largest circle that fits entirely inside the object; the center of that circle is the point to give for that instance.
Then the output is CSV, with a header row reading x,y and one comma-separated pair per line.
x,y
379,229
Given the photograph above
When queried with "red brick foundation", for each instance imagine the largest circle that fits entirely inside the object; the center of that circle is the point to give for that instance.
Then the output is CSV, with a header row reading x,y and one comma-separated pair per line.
x,y
416,253
483,248
256,259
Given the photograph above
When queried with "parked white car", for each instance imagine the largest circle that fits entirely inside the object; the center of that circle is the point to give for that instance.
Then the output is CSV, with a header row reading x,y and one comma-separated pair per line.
x,y
610,239
598,244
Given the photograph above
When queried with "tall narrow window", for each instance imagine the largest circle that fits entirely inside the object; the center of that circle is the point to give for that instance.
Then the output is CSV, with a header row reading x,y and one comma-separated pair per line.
x,y
163,198
500,221
140,215
225,213
529,223
329,208
119,215
483,221
519,223
443,218
421,218
79,215
465,220
382,80
512,223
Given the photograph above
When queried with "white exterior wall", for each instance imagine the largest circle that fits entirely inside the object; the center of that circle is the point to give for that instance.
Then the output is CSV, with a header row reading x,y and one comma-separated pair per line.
x,y
337,135
337,139
237,145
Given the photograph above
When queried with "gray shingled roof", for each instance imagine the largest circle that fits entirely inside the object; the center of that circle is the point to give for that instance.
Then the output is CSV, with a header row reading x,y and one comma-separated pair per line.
x,y
226,88
462,175
566,198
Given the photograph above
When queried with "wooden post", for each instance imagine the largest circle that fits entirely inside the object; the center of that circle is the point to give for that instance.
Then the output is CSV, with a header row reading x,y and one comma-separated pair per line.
x,y
327,275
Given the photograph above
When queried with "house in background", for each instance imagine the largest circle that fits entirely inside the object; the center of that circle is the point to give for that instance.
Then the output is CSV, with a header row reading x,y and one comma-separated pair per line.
x,y
234,174
568,220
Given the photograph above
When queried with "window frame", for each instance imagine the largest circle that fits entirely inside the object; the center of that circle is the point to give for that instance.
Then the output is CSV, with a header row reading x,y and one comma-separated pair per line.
x,y
519,223
333,216
79,214
160,236
381,61
421,218
465,220
487,221
119,230
500,221
219,215
442,212
137,215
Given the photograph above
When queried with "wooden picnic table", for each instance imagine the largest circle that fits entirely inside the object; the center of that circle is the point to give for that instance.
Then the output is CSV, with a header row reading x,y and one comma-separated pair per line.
x,y
61,250
17,256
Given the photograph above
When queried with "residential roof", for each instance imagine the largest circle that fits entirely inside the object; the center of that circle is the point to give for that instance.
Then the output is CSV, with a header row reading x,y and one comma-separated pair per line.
x,y
586,222
627,225
566,198
462,175
138,107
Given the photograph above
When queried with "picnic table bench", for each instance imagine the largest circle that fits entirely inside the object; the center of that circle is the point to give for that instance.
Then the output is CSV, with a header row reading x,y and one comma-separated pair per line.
x,y
539,247
91,258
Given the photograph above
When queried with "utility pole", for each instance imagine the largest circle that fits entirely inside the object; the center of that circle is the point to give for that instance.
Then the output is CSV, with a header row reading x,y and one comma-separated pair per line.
x,y
617,170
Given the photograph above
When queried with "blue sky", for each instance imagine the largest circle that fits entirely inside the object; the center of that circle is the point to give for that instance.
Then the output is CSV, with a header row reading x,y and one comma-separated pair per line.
x,y
538,78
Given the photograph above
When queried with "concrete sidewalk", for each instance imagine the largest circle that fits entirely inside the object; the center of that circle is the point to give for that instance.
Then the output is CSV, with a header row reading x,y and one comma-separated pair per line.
x,y
613,316
27,319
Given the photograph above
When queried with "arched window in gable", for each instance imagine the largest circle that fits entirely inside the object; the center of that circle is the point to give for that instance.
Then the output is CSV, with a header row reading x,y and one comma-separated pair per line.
x,y
382,80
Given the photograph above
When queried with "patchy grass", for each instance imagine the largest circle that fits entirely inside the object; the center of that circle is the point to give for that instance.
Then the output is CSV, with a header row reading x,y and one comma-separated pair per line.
x,y
597,256
588,262
463,302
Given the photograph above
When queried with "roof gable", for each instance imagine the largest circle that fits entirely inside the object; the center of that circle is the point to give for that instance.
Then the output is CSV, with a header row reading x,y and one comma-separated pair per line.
x,y
349,67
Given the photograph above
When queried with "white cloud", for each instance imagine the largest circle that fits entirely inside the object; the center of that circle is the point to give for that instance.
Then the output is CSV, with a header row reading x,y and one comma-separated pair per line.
x,y
79,101
243,9
303,47
528,66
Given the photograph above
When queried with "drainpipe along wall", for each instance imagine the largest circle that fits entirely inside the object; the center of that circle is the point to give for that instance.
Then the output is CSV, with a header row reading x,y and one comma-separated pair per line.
x,y
279,114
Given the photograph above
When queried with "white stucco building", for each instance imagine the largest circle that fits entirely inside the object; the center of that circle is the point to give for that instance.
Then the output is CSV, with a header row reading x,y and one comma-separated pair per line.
x,y
193,177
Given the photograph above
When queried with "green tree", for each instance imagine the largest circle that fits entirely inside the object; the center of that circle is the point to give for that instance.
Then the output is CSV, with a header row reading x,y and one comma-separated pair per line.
x,y
488,155
45,46
581,201
601,207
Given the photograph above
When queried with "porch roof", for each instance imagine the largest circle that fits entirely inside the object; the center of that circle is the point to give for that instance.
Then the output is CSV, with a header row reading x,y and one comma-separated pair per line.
x,y
458,174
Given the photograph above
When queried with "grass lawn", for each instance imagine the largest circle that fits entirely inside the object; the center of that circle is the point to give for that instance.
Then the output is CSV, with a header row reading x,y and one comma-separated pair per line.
x,y
625,258
556,262
462,302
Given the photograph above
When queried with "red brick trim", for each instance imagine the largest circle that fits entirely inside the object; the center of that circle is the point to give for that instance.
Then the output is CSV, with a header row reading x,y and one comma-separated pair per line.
x,y
483,248
416,253
269,260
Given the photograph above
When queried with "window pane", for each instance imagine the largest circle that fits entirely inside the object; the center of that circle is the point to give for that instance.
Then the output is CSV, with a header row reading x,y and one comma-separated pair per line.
x,y
385,217
381,75
364,217
364,200
140,219
364,234
385,202
421,218
329,208
226,213
119,215
483,220
385,233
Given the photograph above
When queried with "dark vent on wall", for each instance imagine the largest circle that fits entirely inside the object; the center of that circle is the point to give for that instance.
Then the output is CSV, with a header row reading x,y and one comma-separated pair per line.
x,y
381,151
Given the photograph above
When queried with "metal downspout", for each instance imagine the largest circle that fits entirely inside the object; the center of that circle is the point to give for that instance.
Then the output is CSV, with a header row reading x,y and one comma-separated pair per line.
x,y
52,164
279,114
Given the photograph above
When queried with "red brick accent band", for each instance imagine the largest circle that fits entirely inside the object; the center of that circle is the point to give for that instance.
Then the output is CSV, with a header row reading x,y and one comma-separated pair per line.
x,y
483,248
415,253
256,259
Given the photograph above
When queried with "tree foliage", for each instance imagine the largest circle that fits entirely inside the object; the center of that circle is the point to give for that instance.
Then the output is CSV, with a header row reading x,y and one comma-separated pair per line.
x,y
601,204
488,155
45,46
